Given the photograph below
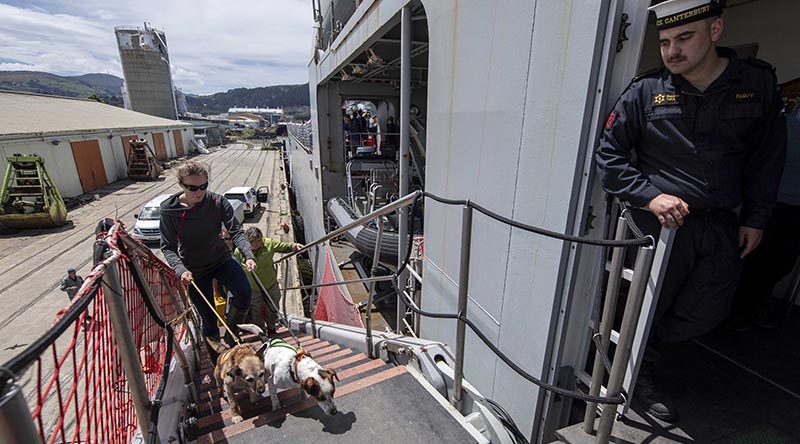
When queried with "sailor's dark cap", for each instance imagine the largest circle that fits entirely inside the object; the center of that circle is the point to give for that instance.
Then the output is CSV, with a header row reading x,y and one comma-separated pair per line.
x,y
672,13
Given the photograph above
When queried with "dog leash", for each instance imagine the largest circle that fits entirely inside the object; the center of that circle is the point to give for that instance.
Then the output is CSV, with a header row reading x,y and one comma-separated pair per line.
x,y
214,309
269,300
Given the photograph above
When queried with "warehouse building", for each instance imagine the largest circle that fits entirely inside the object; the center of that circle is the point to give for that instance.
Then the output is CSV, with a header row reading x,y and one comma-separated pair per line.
x,y
84,143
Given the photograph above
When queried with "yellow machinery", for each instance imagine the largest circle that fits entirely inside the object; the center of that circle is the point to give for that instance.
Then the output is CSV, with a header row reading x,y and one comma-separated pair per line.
x,y
142,163
29,198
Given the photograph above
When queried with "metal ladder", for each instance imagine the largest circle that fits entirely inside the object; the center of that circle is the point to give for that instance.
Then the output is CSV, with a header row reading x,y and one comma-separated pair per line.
x,y
645,285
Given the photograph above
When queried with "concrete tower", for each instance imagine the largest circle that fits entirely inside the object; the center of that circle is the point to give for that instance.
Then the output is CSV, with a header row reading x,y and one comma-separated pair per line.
x,y
145,65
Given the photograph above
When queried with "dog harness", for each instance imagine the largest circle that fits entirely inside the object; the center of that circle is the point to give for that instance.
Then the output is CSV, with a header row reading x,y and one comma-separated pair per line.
x,y
300,353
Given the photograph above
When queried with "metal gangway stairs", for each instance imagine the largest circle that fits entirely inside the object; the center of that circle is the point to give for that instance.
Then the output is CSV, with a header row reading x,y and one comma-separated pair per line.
x,y
377,401
123,363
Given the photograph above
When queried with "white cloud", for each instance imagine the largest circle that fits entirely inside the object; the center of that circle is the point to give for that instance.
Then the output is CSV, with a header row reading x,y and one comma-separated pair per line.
x,y
214,45
17,67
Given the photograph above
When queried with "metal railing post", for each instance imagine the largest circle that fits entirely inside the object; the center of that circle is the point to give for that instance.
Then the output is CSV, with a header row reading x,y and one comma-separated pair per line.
x,y
376,255
16,424
463,289
630,318
129,354
315,293
282,299
609,312
414,294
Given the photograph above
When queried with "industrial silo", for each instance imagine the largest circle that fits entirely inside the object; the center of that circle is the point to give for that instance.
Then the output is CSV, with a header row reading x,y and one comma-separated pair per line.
x,y
145,65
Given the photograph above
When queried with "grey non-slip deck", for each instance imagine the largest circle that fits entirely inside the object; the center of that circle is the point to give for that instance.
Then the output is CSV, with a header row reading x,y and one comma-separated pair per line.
x,y
377,403
729,388
397,410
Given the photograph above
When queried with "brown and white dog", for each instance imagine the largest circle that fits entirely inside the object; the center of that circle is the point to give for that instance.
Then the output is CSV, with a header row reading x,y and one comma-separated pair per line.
x,y
289,367
237,368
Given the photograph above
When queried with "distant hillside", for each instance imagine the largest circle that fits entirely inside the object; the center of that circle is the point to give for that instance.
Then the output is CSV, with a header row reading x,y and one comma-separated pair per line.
x,y
272,96
105,86
106,82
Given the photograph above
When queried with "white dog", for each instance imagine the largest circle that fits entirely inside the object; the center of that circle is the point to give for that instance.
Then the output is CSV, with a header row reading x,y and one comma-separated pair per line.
x,y
289,367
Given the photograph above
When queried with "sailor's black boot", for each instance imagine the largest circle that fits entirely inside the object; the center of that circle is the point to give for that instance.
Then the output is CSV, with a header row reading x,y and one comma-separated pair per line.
x,y
656,403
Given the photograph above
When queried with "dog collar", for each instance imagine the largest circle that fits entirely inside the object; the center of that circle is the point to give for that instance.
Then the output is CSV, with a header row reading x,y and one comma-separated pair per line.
x,y
278,342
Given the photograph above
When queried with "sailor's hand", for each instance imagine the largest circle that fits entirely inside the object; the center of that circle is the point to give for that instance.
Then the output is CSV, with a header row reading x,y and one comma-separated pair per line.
x,y
251,265
671,211
297,247
749,238
186,278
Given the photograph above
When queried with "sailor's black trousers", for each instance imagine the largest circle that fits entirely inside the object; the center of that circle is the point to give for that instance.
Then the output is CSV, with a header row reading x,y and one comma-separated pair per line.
x,y
702,275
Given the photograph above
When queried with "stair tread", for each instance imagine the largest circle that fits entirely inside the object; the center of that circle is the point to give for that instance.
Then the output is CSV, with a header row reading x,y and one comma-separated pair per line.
x,y
210,400
230,429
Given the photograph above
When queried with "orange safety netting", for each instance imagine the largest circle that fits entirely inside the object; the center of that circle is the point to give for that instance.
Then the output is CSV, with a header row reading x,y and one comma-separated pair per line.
x,y
76,388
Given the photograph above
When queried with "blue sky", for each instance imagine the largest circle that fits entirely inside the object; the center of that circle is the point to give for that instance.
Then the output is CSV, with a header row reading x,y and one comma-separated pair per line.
x,y
214,45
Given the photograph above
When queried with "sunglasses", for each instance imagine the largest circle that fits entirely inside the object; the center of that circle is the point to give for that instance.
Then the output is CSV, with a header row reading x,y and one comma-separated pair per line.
x,y
200,187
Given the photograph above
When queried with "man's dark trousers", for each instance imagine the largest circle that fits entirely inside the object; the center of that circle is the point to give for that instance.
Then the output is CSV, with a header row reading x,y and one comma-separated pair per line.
x,y
703,273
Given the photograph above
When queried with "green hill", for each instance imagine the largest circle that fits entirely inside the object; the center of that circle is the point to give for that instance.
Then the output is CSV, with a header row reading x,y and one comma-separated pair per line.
x,y
111,84
286,96
108,88
105,86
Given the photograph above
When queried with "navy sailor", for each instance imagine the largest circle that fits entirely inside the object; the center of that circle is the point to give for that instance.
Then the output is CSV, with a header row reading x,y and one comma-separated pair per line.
x,y
698,145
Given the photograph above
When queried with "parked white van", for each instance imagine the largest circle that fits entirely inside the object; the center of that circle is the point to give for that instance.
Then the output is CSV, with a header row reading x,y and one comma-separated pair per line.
x,y
146,228
247,196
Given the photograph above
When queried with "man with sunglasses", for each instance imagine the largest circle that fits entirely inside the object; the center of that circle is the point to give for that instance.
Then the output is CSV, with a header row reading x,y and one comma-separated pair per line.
x,y
191,243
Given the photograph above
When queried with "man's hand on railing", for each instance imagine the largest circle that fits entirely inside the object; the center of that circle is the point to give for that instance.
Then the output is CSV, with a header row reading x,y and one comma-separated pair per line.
x,y
670,210
297,247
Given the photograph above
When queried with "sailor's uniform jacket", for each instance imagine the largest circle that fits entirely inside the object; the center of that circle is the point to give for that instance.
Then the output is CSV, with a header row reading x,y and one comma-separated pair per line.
x,y
716,150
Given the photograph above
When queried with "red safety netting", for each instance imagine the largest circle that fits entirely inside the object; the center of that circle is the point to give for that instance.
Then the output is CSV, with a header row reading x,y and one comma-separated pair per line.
x,y
334,304
73,377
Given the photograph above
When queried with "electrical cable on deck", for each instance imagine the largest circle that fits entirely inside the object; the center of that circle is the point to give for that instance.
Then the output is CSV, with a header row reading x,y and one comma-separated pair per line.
x,y
505,418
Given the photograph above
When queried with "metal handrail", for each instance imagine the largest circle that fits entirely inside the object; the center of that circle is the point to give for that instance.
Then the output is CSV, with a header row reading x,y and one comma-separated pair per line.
x,y
290,132
345,282
376,254
389,208
645,244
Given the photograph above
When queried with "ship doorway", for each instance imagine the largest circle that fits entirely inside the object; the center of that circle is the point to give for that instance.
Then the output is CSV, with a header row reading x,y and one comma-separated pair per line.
x,y
361,165
740,379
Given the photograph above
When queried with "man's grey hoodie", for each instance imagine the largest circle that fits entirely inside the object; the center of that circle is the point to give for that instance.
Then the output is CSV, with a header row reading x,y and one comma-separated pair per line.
x,y
190,237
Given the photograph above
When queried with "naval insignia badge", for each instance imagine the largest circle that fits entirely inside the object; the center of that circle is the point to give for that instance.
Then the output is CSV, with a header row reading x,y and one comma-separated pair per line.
x,y
665,99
